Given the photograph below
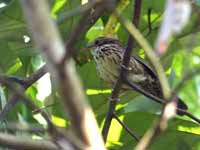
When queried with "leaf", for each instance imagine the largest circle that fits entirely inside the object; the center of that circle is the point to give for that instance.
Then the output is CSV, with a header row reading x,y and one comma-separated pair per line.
x,y
172,138
143,104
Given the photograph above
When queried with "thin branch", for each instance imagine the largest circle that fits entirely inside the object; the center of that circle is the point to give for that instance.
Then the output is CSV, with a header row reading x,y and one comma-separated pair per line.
x,y
53,131
163,81
166,115
149,20
150,53
35,76
126,128
161,101
16,126
8,107
188,114
125,62
87,20
170,108
139,90
48,40
19,94
76,11
25,83
147,138
109,117
18,143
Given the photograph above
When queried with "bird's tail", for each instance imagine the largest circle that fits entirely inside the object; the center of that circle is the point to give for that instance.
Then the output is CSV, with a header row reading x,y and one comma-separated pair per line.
x,y
181,105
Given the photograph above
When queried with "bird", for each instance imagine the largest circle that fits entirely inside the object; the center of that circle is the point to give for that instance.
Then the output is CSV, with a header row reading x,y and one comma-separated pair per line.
x,y
108,55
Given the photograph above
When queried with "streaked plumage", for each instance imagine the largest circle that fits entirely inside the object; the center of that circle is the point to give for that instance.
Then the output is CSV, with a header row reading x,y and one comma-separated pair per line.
x,y
108,53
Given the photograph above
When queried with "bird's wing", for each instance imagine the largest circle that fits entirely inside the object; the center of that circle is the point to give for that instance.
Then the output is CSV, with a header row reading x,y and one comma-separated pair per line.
x,y
147,68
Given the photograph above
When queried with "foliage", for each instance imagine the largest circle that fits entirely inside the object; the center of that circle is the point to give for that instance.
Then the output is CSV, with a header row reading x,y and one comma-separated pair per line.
x,y
20,58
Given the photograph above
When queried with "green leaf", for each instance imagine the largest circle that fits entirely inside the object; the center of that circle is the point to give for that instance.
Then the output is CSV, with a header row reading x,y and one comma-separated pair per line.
x,y
175,137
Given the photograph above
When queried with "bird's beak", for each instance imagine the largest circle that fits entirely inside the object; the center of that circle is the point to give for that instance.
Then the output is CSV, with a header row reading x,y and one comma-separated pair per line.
x,y
90,45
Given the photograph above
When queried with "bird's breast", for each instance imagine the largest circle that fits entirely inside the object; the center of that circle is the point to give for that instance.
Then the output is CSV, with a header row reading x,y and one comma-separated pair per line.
x,y
108,66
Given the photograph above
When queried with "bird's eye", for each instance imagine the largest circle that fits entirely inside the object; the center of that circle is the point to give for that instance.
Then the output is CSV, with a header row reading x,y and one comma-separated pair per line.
x,y
96,42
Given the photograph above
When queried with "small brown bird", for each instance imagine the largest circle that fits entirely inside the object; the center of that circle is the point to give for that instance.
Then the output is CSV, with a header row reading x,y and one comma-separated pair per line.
x,y
108,55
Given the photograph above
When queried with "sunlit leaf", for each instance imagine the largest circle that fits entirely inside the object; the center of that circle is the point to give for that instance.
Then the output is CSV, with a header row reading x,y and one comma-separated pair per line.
x,y
59,121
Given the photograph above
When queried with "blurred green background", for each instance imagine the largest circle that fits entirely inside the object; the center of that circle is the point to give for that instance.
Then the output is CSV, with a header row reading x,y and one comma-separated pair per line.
x,y
19,57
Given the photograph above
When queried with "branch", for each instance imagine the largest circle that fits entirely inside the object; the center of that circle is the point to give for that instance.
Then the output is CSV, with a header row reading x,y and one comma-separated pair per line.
x,y
19,94
8,107
19,143
126,128
15,126
170,108
25,83
189,115
150,53
167,113
87,20
34,77
146,139
76,11
161,101
123,72
48,40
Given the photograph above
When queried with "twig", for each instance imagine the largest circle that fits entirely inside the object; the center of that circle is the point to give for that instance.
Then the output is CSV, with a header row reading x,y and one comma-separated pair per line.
x,y
125,62
139,90
150,53
189,115
49,41
161,101
149,20
76,11
8,107
16,126
35,76
19,93
25,83
167,113
152,132
87,20
44,107
126,128
161,124
53,131
147,138
10,141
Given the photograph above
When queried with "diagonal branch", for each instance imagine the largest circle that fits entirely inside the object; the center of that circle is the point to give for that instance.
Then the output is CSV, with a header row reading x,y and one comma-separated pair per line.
x,y
132,29
126,128
169,110
10,141
48,40
125,62
25,83
161,101
87,20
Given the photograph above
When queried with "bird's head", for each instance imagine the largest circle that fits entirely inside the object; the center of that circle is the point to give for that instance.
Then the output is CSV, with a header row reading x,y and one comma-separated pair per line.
x,y
102,42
